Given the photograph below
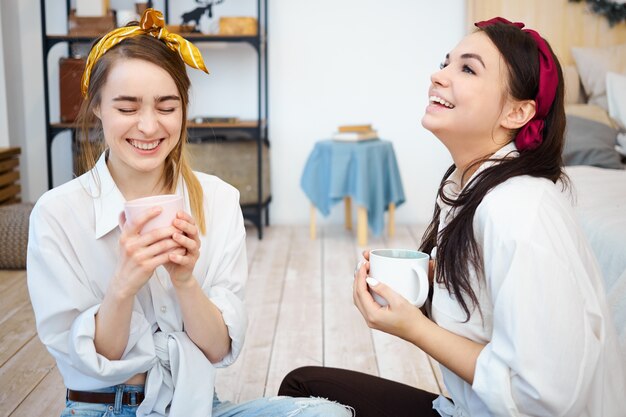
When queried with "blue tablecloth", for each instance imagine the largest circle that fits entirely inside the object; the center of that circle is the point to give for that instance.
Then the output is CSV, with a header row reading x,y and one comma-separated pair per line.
x,y
367,171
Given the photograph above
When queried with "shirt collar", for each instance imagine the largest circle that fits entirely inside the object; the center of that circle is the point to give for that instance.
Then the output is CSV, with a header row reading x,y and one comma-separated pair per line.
x,y
108,200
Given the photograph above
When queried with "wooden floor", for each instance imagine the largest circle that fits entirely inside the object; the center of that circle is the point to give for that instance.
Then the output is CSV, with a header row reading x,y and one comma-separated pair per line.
x,y
299,299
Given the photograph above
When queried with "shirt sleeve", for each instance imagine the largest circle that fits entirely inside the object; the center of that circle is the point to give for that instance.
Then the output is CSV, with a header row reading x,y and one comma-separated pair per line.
x,y
65,305
547,323
226,290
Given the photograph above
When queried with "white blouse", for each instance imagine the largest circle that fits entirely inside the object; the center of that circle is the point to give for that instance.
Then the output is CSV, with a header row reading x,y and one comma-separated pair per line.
x,y
551,347
72,255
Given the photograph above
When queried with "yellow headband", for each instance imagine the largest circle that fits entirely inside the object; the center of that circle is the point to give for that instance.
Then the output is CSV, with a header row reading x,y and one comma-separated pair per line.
x,y
152,23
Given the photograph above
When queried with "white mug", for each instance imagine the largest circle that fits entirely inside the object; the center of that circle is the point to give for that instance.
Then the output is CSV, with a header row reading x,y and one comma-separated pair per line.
x,y
404,270
169,203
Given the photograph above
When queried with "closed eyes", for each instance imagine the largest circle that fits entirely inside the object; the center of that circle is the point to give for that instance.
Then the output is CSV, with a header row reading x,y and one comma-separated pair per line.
x,y
465,68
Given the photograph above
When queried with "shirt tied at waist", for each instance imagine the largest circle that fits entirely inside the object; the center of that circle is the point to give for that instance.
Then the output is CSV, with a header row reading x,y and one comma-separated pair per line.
x,y
182,380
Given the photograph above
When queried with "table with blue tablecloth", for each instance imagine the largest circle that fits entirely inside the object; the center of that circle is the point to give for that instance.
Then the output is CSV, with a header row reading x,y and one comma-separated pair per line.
x,y
364,171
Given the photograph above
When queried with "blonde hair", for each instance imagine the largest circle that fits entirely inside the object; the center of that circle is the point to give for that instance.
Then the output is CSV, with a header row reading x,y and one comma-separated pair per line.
x,y
91,138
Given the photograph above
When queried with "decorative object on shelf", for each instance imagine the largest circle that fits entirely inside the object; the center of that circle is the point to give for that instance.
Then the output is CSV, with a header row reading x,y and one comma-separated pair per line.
x,y
141,6
181,29
196,14
238,26
91,8
124,16
70,73
613,10
90,26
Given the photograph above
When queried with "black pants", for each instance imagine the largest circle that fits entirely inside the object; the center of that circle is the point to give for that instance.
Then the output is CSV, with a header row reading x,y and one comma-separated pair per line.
x,y
370,396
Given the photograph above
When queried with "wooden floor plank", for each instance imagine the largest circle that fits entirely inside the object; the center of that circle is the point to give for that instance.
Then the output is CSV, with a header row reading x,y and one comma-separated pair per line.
x,y
403,362
246,379
299,337
13,298
252,243
347,339
46,400
16,331
9,278
22,373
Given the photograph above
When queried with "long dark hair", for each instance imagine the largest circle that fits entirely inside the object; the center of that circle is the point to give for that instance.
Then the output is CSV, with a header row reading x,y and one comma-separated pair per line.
x,y
457,241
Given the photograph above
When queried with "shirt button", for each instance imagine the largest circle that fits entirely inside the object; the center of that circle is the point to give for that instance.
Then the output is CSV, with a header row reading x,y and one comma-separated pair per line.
x,y
163,309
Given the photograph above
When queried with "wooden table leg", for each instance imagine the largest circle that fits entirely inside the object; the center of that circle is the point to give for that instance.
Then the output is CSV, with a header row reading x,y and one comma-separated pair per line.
x,y
312,222
347,201
361,225
392,219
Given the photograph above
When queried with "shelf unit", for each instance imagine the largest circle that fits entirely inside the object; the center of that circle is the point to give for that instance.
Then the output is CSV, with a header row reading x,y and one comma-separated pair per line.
x,y
257,130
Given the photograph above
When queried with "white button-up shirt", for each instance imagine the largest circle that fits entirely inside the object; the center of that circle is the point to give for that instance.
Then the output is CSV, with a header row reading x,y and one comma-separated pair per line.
x,y
72,255
551,348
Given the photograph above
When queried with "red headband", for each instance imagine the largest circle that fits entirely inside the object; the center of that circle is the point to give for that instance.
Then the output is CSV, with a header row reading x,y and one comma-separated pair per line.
x,y
530,135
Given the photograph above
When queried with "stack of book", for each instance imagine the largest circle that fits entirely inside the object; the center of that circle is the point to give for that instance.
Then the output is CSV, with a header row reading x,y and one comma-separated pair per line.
x,y
355,133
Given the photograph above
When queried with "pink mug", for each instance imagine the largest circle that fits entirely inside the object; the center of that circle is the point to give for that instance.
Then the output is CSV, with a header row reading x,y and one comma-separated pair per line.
x,y
170,204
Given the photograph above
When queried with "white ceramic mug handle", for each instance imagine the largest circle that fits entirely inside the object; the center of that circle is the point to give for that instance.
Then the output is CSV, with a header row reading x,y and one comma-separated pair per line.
x,y
422,276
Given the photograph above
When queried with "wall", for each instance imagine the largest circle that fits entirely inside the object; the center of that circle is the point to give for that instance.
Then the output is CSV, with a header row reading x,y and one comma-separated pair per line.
x,y
4,122
575,25
21,37
330,63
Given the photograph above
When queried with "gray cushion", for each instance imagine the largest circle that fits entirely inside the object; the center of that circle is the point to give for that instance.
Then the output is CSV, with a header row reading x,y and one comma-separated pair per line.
x,y
14,235
590,143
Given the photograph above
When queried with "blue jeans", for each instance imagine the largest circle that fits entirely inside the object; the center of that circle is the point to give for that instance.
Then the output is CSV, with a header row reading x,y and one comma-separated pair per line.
x,y
78,409
261,407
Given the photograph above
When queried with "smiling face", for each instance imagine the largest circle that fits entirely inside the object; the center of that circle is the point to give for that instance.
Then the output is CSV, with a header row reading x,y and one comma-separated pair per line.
x,y
468,100
141,114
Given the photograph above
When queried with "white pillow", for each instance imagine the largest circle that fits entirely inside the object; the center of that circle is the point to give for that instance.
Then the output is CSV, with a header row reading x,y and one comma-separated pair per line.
x,y
616,97
593,64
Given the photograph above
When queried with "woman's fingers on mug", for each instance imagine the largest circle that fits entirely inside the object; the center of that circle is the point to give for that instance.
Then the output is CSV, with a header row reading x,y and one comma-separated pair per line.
x,y
185,216
366,254
357,267
160,246
187,227
140,221
189,244
157,235
360,268
358,287
381,289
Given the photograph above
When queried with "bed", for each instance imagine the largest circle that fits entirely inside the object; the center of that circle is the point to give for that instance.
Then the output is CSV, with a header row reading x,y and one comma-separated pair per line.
x,y
595,162
600,202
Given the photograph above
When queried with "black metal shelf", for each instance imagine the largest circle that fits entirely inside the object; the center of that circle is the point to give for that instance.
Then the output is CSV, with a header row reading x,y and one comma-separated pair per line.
x,y
255,41
256,130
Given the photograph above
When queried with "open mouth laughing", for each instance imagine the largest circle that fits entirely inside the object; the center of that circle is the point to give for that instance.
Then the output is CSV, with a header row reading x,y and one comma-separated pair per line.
x,y
440,101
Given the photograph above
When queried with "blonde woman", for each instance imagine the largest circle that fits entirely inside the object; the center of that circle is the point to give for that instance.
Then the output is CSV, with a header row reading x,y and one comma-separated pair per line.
x,y
138,323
